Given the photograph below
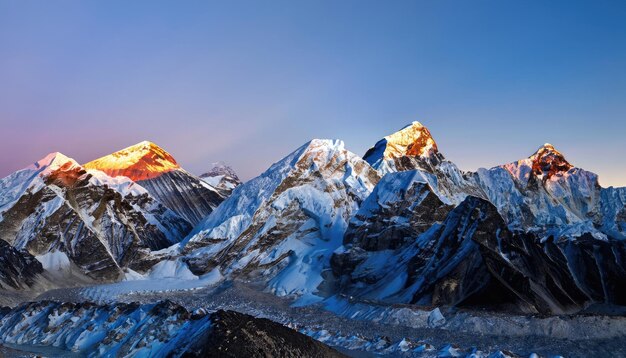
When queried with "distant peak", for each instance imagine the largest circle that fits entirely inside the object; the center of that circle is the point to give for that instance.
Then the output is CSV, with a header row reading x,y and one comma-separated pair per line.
x,y
58,169
549,161
220,169
413,140
144,160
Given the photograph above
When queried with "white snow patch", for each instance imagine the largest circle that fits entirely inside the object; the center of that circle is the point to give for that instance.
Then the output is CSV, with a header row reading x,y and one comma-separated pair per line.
x,y
54,261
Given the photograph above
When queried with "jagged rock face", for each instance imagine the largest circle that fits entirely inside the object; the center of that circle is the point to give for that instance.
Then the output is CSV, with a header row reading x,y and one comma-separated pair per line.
x,y
543,193
156,170
472,258
185,194
222,177
401,207
283,225
156,330
550,242
101,224
555,277
548,161
18,269
613,212
441,265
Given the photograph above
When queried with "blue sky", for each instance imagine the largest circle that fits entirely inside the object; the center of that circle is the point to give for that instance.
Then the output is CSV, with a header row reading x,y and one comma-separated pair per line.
x,y
248,82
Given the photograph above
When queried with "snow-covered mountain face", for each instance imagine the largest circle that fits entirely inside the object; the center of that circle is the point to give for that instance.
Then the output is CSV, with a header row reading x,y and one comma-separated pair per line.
x,y
64,216
283,225
547,195
221,177
156,170
538,234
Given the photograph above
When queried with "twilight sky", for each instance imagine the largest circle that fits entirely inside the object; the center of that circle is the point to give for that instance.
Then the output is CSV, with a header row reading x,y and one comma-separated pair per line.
x,y
248,82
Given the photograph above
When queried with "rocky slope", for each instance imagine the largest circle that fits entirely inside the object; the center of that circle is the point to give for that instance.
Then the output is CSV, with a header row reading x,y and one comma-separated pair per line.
x,y
156,170
284,225
237,335
163,329
18,269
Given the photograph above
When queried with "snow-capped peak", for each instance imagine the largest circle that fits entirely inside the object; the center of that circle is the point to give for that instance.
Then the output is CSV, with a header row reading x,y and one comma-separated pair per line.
x,y
414,140
54,161
221,177
141,161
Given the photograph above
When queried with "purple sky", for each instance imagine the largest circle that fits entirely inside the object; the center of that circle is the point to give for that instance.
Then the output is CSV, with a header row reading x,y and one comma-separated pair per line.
x,y
248,82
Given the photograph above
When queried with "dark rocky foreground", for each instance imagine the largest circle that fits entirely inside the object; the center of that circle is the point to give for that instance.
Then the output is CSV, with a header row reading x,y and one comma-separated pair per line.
x,y
163,329
235,334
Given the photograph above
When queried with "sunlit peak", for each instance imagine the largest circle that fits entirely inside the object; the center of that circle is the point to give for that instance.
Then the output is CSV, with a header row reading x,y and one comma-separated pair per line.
x,y
413,140
144,160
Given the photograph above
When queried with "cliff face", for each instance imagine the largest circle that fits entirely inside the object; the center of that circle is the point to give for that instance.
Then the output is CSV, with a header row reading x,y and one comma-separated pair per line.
x,y
183,193
18,269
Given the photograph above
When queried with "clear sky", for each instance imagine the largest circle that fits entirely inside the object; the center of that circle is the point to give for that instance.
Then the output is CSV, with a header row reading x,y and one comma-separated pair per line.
x,y
248,82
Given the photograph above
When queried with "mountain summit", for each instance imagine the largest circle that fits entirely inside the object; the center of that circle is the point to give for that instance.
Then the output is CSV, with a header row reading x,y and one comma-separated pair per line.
x,y
54,161
548,161
413,140
141,161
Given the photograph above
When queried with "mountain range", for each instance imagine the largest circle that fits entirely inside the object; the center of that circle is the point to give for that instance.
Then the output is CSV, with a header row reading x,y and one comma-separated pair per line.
x,y
400,225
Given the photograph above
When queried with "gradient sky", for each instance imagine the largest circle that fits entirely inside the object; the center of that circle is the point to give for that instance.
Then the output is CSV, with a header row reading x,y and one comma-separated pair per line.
x,y
248,82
